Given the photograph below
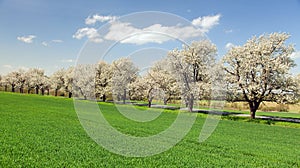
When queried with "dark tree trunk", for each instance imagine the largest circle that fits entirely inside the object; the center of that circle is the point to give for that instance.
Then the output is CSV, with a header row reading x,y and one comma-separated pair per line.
x,y
124,96
28,91
43,91
253,108
56,90
36,90
48,92
103,98
12,88
5,88
70,94
150,102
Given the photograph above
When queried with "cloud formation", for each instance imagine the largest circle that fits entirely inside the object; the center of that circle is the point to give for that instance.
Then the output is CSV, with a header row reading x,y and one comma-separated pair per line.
x,y
98,18
47,43
206,22
8,66
26,39
68,60
228,31
44,43
228,46
90,33
57,41
125,32
295,55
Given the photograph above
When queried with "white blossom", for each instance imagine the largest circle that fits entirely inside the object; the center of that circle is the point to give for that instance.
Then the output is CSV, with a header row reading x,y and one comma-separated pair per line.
x,y
124,73
192,66
259,70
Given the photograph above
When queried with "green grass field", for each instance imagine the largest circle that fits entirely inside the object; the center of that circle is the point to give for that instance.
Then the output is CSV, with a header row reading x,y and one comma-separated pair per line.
x,y
37,131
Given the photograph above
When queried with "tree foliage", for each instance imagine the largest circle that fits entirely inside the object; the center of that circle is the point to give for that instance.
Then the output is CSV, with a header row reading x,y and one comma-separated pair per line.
x,y
259,70
191,67
124,73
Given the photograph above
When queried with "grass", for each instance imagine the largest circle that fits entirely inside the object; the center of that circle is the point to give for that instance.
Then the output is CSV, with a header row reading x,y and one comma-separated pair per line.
x,y
37,131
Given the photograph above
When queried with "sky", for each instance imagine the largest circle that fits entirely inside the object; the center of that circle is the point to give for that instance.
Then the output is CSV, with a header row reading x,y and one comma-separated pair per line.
x,y
52,34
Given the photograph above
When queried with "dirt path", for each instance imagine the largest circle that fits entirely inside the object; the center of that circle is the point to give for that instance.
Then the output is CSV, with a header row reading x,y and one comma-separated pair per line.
x,y
294,120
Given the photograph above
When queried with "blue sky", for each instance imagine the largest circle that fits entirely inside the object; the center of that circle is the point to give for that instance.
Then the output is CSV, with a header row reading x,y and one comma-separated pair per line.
x,y
42,33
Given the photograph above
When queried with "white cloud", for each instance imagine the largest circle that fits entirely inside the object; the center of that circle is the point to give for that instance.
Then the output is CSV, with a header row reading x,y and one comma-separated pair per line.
x,y
98,18
47,44
229,46
57,41
44,43
90,33
8,66
295,55
228,31
126,33
207,22
26,39
68,60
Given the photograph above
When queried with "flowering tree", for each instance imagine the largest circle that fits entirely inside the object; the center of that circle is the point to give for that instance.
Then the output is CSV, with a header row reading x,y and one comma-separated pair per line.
x,y
45,85
84,81
68,83
11,80
143,88
57,80
161,77
124,73
103,79
3,82
259,70
191,66
297,79
21,79
16,79
35,79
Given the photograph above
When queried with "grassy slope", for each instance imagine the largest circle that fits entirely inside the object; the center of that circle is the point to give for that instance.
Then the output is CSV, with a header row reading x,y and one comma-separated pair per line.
x,y
40,131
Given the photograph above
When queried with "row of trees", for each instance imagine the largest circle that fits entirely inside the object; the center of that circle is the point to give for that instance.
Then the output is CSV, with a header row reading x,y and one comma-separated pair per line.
x,y
254,72
35,80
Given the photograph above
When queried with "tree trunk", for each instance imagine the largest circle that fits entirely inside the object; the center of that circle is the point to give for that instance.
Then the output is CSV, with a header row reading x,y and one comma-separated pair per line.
x,y
124,96
253,108
70,94
104,98
28,91
12,88
165,101
56,90
43,91
48,92
5,88
36,90
191,103
150,102
252,114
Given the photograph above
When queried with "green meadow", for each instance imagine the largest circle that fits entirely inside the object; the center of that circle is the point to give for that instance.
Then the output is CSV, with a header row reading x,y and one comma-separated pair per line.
x,y
44,131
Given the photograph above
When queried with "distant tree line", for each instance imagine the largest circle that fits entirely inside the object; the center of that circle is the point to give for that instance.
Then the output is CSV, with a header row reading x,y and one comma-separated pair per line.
x,y
254,72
